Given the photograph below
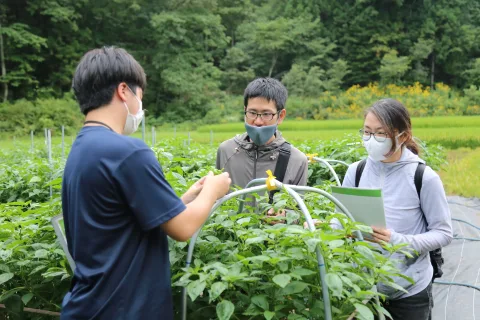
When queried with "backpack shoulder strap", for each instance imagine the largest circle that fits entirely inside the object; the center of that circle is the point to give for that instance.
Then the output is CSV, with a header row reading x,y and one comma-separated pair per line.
x,y
358,174
436,258
285,151
418,178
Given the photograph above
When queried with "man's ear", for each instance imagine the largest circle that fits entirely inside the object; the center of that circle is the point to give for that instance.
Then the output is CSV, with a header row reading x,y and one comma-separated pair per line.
x,y
121,91
282,115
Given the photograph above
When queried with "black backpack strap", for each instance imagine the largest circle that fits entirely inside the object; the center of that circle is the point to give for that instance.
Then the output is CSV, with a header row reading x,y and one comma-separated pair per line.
x,y
436,258
284,153
419,177
358,174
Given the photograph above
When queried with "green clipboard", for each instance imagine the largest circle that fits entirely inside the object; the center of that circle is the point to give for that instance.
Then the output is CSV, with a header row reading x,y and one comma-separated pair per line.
x,y
365,205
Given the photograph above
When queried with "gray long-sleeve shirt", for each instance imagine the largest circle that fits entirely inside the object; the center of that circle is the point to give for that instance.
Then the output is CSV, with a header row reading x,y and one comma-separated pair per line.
x,y
423,223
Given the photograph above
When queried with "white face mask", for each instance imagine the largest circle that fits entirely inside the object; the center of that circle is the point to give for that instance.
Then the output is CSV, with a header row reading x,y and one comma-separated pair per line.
x,y
377,150
133,121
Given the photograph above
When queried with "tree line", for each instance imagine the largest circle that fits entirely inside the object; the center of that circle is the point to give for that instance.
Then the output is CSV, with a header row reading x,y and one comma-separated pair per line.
x,y
197,52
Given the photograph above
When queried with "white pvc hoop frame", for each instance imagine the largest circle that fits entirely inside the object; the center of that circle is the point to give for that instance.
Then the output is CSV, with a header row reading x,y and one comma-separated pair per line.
x,y
327,162
291,190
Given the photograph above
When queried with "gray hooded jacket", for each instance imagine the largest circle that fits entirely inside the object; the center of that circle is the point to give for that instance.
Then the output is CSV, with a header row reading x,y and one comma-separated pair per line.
x,y
245,161
423,223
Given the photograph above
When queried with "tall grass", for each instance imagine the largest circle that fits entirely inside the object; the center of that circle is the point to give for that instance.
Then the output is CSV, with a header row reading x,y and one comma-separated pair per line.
x,y
462,175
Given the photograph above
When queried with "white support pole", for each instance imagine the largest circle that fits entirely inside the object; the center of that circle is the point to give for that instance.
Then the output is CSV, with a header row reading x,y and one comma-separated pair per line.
x,y
49,145
63,142
31,141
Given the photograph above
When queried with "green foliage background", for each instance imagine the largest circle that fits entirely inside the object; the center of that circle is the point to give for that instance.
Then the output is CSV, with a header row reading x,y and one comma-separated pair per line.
x,y
197,53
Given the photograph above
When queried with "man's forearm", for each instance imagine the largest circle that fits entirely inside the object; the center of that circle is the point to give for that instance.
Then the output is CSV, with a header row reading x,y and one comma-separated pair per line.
x,y
184,225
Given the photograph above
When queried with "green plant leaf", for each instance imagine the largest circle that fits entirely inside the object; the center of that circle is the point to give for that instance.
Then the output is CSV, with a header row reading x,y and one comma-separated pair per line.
x,y
303,272
225,310
364,228
312,244
216,290
252,310
335,243
268,315
383,310
364,313
282,280
38,269
195,288
295,287
255,240
14,306
34,179
4,268
334,283
283,266
243,221
261,301
366,252
294,316
41,253
5,277
26,298
395,286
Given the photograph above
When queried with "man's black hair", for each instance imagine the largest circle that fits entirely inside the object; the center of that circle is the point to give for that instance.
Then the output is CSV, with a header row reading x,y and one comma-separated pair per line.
x,y
100,72
268,88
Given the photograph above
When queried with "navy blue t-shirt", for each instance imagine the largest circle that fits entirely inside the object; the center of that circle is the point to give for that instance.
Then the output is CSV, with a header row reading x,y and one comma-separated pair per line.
x,y
114,199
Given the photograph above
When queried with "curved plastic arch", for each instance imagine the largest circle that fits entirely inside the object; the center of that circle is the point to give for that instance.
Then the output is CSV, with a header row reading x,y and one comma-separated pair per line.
x,y
326,162
303,208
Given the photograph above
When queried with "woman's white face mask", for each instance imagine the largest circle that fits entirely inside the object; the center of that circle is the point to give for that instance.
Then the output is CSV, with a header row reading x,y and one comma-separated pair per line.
x,y
377,150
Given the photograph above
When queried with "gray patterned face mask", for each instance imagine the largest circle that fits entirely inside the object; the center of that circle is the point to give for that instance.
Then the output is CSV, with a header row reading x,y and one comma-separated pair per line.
x,y
260,135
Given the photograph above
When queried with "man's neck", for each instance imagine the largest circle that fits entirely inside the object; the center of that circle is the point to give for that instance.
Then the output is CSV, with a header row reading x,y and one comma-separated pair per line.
x,y
106,116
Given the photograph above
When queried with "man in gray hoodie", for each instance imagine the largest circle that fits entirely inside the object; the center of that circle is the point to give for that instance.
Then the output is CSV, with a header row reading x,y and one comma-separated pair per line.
x,y
248,156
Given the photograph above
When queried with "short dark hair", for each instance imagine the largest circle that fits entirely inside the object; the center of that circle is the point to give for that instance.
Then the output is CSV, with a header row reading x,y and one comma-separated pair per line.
x,y
393,115
100,71
268,88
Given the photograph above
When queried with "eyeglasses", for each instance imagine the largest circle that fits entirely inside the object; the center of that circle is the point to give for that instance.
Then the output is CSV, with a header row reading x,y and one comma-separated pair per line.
x,y
266,116
379,136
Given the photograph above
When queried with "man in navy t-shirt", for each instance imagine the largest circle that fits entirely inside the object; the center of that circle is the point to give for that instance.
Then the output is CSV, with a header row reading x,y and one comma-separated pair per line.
x,y
118,207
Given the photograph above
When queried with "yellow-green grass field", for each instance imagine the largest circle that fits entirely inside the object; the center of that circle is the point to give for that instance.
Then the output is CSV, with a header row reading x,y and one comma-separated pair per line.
x,y
459,135
462,175
353,124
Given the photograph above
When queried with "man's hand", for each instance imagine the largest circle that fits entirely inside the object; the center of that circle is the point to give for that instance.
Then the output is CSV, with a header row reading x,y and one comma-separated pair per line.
x,y
217,185
381,234
316,222
204,192
280,213
194,190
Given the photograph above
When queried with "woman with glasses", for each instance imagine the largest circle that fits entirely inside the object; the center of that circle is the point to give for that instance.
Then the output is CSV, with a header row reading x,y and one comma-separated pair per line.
x,y
420,219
